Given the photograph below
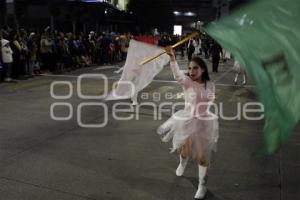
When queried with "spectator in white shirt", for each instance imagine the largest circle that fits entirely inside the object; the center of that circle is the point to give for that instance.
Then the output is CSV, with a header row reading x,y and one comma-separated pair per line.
x,y
7,59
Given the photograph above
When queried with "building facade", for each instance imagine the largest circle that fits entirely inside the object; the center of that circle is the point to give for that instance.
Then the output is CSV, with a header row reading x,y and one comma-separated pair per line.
x,y
67,15
120,4
195,13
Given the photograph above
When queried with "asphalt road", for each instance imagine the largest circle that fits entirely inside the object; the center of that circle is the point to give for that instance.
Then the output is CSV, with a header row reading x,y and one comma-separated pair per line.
x,y
42,158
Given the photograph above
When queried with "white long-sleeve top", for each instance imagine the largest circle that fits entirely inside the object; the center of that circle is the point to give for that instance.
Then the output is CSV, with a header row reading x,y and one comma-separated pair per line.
x,y
198,96
6,52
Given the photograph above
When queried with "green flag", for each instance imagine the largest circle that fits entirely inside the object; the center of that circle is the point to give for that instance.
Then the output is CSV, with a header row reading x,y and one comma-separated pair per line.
x,y
265,37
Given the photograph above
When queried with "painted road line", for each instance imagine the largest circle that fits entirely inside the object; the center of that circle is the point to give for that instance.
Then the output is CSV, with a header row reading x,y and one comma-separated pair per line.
x,y
29,84
106,68
155,80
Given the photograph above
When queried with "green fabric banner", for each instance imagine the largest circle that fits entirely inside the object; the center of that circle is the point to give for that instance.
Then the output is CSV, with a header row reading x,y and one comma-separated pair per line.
x,y
265,36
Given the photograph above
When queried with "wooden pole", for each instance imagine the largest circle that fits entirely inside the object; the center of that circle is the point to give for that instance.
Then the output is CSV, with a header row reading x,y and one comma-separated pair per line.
x,y
173,46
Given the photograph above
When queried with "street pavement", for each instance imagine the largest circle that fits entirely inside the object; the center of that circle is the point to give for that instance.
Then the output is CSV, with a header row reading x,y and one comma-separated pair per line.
x,y
42,158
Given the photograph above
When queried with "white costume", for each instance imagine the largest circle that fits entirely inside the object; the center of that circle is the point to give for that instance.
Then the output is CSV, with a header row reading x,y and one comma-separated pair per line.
x,y
239,70
197,47
193,127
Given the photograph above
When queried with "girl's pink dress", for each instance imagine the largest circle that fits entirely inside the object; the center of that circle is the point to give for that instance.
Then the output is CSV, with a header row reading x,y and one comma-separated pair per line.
x,y
194,126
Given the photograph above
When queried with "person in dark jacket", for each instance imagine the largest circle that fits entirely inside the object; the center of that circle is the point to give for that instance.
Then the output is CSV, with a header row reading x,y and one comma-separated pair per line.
x,y
215,51
191,48
17,52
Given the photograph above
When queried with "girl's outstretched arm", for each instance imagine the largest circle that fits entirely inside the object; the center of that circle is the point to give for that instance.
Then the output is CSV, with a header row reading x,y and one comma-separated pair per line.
x,y
179,76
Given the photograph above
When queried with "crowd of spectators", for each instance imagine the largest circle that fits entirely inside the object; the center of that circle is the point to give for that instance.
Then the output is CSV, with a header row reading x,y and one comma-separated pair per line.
x,y
26,54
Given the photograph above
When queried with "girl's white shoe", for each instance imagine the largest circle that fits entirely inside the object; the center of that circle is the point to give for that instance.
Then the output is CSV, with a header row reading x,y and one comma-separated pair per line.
x,y
181,167
201,192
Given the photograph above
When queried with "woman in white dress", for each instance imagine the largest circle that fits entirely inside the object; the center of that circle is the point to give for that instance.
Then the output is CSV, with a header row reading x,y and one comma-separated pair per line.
x,y
193,130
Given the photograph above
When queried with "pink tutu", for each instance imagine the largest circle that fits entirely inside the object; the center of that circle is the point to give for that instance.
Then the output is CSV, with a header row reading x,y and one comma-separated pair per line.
x,y
201,135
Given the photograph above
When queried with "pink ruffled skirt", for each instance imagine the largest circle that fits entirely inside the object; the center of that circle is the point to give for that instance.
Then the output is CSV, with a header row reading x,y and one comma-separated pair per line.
x,y
198,135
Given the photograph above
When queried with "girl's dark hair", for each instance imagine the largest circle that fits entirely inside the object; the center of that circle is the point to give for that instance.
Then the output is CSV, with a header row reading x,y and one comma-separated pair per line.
x,y
203,66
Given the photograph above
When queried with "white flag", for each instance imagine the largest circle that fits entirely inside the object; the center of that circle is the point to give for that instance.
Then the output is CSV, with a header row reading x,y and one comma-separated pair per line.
x,y
136,77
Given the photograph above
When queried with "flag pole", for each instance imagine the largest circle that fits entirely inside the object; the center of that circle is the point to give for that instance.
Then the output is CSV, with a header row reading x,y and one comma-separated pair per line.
x,y
173,46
